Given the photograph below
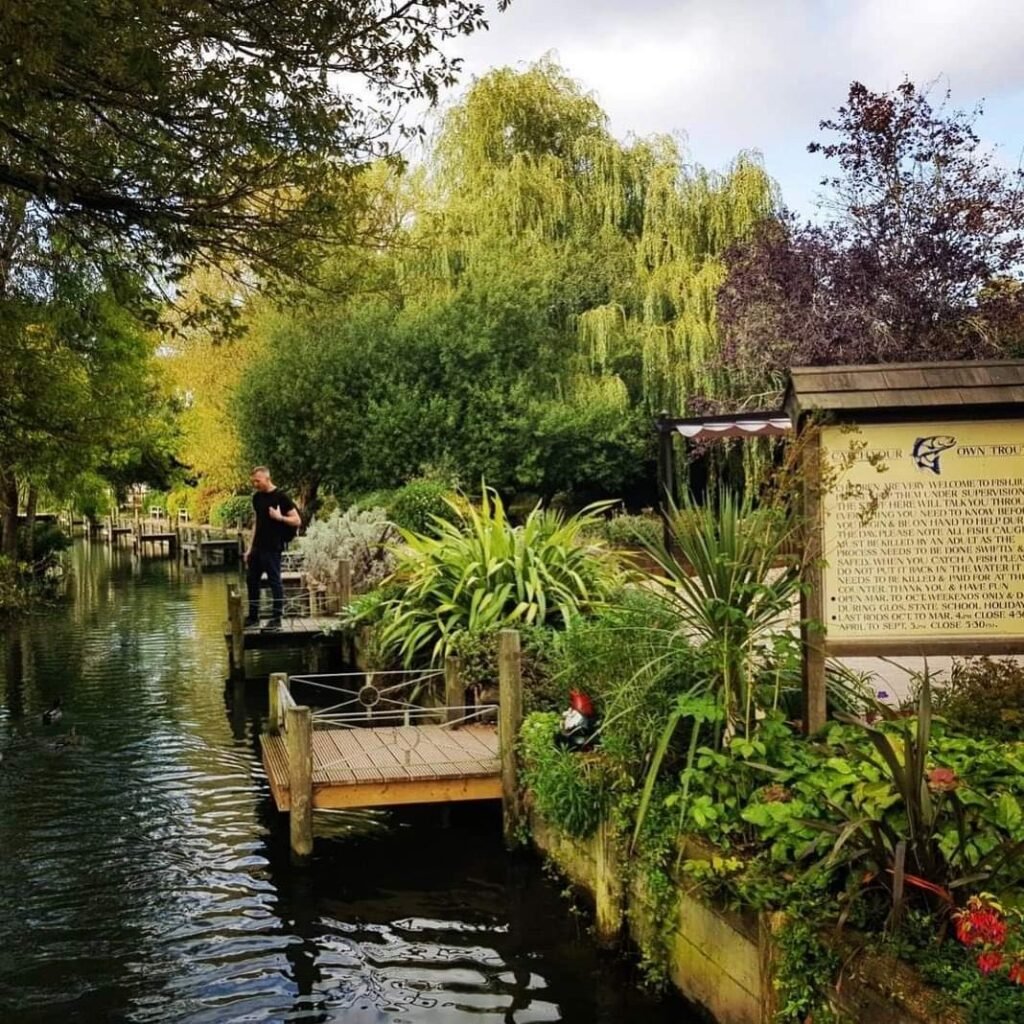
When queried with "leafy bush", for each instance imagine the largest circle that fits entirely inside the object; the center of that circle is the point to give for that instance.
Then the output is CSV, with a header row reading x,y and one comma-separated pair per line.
x,y
177,499
627,529
363,536
155,501
985,697
483,574
415,506
236,511
200,503
909,812
48,540
569,789
632,658
478,657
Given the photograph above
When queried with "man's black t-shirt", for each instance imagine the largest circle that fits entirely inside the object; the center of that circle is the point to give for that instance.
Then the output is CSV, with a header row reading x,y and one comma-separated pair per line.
x,y
270,534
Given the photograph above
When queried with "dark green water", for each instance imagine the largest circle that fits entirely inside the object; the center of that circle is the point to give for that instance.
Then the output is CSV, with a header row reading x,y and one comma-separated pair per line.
x,y
145,877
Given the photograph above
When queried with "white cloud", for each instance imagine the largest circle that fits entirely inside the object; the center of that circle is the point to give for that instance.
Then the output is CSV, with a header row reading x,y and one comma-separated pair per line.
x,y
736,74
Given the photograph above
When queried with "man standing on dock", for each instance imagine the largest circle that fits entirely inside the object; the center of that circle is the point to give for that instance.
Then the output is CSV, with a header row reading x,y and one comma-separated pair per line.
x,y
277,521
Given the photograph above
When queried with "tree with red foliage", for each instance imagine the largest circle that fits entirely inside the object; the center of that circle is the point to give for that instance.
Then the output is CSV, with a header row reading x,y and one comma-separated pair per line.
x,y
919,255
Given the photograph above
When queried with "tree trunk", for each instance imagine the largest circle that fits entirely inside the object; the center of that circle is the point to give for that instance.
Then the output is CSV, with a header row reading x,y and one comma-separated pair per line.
x,y
308,499
9,502
31,503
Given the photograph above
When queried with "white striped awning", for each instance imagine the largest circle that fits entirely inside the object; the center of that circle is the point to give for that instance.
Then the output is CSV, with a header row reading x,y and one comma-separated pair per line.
x,y
774,426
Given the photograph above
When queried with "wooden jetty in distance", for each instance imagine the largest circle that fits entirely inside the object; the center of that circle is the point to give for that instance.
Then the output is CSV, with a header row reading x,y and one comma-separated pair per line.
x,y
201,550
151,541
374,748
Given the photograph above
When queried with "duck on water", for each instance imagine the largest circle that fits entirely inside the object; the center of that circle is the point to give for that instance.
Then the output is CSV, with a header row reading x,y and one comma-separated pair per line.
x,y
55,713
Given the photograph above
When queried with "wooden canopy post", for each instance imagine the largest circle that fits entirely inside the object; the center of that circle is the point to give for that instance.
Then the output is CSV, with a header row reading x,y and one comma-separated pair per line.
x,y
299,744
812,609
666,475
510,717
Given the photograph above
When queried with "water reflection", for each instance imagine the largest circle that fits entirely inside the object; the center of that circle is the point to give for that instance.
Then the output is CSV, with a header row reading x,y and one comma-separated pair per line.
x,y
145,877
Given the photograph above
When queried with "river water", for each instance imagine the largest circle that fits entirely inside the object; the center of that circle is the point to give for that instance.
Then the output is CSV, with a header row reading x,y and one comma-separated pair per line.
x,y
145,875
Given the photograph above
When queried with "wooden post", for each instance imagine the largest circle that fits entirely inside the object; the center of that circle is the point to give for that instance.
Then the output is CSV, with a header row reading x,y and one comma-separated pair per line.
x,y
313,606
277,681
299,743
510,715
812,611
454,689
344,583
237,620
666,474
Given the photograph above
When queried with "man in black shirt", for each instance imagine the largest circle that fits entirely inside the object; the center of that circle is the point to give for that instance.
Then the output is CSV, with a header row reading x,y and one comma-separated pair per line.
x,y
277,519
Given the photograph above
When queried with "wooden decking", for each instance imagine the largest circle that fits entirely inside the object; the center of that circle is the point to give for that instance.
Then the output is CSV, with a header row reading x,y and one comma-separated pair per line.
x,y
388,765
294,631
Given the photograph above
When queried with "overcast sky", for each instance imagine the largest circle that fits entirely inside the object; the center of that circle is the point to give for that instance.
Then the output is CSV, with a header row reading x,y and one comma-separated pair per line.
x,y
759,74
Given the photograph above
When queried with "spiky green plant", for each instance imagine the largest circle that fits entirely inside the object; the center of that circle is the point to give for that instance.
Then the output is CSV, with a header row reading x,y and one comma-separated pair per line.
x,y
731,578
482,573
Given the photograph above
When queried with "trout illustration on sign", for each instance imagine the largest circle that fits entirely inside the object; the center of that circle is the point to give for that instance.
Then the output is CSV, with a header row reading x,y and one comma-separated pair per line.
x,y
926,450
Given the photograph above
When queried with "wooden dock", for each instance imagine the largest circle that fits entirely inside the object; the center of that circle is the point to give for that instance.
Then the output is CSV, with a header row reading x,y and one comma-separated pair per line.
x,y
308,620
151,541
387,765
294,631
376,747
210,552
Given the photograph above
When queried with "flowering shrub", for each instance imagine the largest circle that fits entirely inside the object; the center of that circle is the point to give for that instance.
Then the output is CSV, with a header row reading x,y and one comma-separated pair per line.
x,y
363,536
983,925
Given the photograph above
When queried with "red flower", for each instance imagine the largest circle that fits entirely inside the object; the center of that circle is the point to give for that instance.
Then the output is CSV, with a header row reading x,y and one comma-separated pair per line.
x,y
1017,972
980,925
942,780
989,962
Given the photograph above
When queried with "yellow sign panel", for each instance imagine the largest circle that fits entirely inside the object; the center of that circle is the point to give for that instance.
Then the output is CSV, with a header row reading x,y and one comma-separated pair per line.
x,y
923,530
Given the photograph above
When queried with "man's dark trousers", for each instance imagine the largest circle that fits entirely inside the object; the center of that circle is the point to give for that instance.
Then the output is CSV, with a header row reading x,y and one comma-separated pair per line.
x,y
265,561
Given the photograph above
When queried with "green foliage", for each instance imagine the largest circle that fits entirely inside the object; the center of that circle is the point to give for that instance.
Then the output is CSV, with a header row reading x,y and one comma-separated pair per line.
x,y
48,541
364,536
550,287
644,531
478,665
483,574
91,497
234,511
733,583
177,499
155,500
985,697
569,789
804,969
200,502
213,132
417,505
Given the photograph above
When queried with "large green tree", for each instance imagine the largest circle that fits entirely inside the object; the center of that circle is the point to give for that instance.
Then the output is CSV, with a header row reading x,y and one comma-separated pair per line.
x,y
184,129
549,289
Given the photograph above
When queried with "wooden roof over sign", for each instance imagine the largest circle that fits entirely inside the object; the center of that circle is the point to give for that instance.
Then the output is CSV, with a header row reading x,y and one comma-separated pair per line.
x,y
904,386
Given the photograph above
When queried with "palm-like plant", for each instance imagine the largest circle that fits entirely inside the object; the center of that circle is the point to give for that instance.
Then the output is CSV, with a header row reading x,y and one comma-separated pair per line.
x,y
483,573
733,579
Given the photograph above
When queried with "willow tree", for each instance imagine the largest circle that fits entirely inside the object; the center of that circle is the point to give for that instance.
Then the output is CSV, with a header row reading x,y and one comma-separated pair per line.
x,y
631,237
550,286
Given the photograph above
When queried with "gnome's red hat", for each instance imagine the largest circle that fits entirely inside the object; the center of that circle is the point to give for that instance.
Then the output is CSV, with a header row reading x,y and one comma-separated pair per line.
x,y
580,702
